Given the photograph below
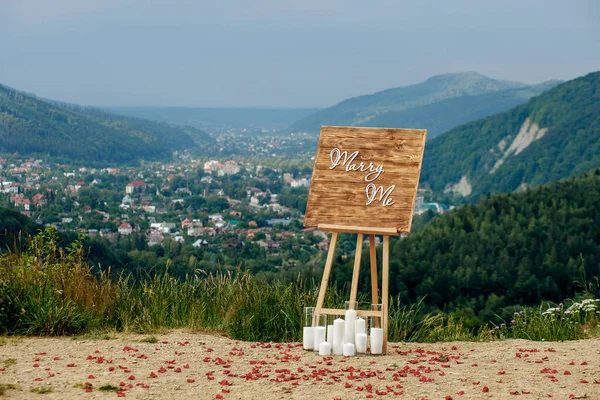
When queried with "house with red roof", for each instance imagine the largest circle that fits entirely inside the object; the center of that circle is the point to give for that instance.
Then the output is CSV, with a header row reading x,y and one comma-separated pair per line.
x,y
39,200
137,186
125,228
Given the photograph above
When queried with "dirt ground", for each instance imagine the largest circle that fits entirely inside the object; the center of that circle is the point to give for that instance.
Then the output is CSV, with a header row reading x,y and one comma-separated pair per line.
x,y
183,365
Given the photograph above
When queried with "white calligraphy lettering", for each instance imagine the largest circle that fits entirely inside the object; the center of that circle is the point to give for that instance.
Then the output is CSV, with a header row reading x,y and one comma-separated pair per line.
x,y
384,195
341,158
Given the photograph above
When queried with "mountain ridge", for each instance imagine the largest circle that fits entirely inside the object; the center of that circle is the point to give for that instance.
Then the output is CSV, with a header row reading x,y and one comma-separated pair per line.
x,y
30,125
385,108
553,136
219,118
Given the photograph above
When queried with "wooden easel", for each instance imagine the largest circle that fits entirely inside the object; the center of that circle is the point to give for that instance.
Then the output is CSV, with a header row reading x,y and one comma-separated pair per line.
x,y
361,231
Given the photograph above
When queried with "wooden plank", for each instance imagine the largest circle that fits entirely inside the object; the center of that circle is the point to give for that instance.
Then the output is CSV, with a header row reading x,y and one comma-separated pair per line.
x,y
360,217
348,221
357,229
385,282
360,193
325,279
350,143
359,201
356,271
365,177
389,156
360,313
376,133
400,180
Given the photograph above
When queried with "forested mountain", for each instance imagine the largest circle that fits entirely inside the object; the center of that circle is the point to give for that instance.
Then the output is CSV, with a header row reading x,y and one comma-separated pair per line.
x,y
507,250
29,125
553,136
441,116
438,104
219,119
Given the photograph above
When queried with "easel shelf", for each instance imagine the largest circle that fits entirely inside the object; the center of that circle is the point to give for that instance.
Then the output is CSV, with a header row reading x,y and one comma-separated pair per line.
x,y
358,229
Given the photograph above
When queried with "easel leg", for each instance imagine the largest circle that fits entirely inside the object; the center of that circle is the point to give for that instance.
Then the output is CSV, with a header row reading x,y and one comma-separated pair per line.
x,y
385,275
325,279
374,280
356,272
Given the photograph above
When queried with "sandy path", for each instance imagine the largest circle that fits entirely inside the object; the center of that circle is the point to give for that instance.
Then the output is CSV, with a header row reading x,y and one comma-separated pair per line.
x,y
183,365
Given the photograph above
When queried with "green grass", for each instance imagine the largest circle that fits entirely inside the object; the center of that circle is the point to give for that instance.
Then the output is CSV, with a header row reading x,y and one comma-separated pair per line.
x,y
108,388
8,362
41,389
52,291
7,386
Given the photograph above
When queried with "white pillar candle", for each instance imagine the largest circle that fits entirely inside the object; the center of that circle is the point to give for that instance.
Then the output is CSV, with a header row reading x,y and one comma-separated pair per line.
x,y
349,327
330,335
324,349
361,343
376,340
361,326
319,336
338,337
308,338
348,349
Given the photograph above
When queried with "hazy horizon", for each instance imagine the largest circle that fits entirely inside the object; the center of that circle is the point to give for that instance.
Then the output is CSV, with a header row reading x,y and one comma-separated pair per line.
x,y
271,54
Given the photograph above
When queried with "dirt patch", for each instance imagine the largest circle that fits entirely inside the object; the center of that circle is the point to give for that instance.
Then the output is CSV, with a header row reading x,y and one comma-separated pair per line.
x,y
463,187
528,134
183,365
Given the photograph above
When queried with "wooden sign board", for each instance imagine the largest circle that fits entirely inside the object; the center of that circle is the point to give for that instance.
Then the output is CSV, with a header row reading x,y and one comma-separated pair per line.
x,y
365,177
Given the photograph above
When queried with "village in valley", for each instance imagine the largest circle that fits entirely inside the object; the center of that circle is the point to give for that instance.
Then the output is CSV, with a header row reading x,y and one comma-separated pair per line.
x,y
192,213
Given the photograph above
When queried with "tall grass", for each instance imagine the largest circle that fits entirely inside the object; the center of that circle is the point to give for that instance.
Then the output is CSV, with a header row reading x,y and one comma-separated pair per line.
x,y
47,290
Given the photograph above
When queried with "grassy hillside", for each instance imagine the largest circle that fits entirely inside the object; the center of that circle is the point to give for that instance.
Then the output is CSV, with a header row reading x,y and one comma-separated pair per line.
x,y
29,125
553,136
363,110
36,301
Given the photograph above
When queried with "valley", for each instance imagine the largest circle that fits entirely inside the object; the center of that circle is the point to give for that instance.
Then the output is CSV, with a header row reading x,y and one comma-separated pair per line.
x,y
234,200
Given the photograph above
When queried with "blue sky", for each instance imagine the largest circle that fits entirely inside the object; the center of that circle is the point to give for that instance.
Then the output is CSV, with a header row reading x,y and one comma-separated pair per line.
x,y
309,53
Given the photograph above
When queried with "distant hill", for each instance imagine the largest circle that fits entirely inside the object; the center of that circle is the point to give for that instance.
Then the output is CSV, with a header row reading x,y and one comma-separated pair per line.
x,y
220,119
441,116
553,136
438,104
29,125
